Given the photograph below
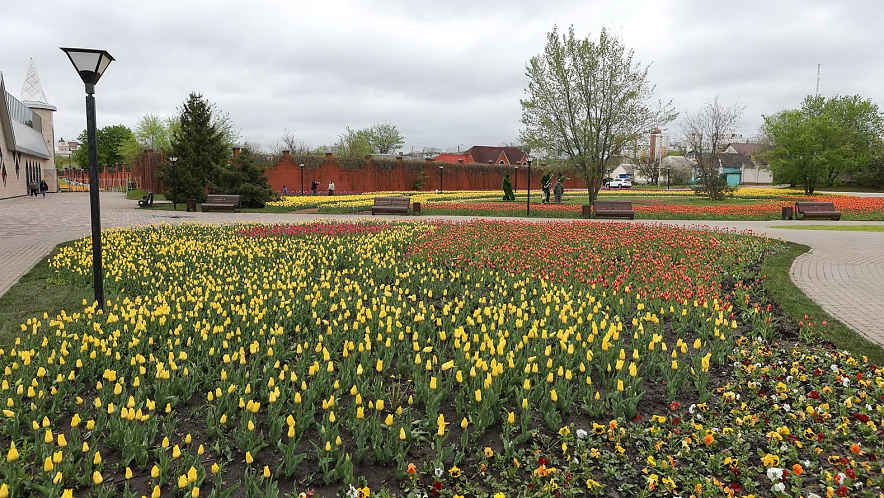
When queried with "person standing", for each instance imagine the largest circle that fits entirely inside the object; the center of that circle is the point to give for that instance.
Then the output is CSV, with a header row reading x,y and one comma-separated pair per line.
x,y
44,187
32,188
314,186
558,190
285,190
331,187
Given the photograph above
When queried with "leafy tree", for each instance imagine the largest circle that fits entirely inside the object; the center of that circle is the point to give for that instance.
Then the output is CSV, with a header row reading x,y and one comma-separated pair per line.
x,y
151,132
201,143
582,96
703,132
110,138
823,139
384,138
243,176
354,143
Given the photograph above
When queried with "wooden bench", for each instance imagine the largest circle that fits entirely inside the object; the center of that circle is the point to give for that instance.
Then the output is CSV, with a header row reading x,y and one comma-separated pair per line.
x,y
216,202
390,205
816,210
609,209
146,201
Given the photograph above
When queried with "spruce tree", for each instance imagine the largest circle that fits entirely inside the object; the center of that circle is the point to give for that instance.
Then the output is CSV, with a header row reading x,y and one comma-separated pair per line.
x,y
201,144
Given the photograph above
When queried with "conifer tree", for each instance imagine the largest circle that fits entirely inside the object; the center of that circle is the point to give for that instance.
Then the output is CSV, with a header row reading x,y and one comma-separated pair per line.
x,y
201,143
244,177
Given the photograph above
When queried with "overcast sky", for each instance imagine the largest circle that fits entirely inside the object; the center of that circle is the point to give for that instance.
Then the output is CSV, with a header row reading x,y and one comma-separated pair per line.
x,y
447,73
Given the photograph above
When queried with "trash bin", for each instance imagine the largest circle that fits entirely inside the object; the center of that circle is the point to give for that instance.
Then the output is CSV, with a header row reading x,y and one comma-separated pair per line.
x,y
787,212
191,205
587,211
416,208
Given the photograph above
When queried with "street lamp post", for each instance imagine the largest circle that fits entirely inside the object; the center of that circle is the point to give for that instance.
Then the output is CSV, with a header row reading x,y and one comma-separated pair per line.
x,y
440,178
516,178
90,65
301,167
667,178
528,204
174,181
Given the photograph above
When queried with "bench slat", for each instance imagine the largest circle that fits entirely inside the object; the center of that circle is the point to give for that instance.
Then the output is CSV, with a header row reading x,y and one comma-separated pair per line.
x,y
614,209
817,210
391,205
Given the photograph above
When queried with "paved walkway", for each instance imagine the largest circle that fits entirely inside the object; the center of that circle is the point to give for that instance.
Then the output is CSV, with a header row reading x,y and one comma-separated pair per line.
x,y
844,271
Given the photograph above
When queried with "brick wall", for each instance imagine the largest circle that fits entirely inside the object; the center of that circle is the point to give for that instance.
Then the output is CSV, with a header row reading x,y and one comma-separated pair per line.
x,y
370,175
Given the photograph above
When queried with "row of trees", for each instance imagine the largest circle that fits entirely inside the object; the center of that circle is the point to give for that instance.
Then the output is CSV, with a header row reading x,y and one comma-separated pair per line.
x,y
586,100
382,138
201,137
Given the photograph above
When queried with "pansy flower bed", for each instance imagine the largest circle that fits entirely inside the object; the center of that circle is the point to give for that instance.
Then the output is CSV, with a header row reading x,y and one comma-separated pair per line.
x,y
447,359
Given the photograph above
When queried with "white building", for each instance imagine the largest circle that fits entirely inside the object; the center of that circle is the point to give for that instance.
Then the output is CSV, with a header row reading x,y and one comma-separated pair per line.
x,y
27,138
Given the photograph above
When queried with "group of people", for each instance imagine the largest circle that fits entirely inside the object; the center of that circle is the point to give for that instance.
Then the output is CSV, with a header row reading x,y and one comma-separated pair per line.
x,y
314,186
32,188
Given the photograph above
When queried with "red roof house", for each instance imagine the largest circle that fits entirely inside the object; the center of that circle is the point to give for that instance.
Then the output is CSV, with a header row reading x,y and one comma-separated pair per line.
x,y
482,154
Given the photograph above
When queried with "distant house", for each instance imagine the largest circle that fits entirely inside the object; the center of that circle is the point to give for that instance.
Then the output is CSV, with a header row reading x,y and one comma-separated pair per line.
x,y
621,167
752,169
739,165
486,155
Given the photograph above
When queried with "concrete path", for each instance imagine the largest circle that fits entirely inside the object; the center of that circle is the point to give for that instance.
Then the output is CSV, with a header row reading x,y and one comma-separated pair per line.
x,y
844,271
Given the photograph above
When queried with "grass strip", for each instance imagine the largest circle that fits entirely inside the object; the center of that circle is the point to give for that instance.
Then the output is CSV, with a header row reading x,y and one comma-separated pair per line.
x,y
839,228
795,303
33,295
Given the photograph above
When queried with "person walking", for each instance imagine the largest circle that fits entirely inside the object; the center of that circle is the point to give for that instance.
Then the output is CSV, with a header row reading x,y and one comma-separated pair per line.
x,y
314,186
44,187
558,190
32,188
285,190
331,187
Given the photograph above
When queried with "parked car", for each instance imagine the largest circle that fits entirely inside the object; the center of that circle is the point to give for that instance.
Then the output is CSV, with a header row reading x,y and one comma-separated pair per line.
x,y
619,183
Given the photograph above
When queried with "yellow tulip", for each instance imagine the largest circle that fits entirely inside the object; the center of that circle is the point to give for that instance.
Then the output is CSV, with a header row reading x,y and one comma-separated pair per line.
x,y
478,395
249,458
553,396
96,477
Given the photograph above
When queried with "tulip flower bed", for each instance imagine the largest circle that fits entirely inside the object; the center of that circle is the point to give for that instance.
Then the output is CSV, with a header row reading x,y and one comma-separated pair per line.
x,y
852,208
447,359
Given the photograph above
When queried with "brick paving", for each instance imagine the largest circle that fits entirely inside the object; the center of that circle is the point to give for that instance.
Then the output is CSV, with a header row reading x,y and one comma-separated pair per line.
x,y
843,272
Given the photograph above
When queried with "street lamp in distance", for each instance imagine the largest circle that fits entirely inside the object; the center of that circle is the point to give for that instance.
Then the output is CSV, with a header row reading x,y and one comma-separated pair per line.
x,y
528,204
174,181
667,177
440,178
90,65
301,167
516,178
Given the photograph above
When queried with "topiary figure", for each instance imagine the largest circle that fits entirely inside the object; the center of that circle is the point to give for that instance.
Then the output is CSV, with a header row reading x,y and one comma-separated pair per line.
x,y
508,188
544,184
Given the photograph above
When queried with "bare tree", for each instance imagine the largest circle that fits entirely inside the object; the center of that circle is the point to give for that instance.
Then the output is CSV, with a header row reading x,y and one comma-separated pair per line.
x,y
288,142
704,131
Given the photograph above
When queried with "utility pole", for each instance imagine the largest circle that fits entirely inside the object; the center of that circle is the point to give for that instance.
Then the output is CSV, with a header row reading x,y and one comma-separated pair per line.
x,y
817,94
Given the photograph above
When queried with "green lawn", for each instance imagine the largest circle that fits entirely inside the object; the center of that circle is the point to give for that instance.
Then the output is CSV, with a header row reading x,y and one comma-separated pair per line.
x,y
840,228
